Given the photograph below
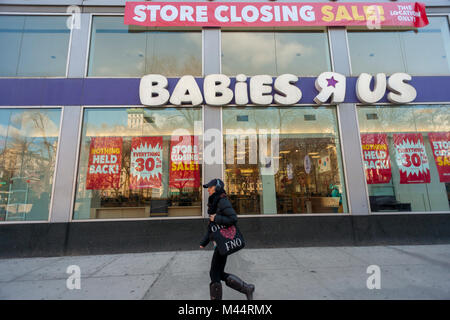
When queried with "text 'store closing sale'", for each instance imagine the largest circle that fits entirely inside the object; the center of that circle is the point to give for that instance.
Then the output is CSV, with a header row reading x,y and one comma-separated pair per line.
x,y
250,14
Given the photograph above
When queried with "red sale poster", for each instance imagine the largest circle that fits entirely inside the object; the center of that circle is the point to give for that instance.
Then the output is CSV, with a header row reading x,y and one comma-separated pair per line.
x,y
146,162
377,163
411,158
105,163
184,169
440,144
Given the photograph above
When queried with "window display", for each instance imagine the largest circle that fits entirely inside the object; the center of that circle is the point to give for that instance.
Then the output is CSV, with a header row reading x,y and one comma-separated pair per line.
x,y
119,50
391,51
283,160
139,163
33,46
406,152
28,146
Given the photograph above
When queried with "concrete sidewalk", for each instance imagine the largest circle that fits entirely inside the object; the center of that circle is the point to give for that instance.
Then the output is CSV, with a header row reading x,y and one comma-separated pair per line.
x,y
407,272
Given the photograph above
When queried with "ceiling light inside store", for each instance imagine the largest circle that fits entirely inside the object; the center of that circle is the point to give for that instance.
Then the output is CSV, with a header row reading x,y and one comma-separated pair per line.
x,y
372,116
242,118
285,151
312,153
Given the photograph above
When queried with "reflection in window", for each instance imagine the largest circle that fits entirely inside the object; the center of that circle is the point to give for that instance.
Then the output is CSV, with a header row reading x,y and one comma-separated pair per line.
x,y
300,144
139,163
275,53
33,46
125,51
28,142
402,50
416,176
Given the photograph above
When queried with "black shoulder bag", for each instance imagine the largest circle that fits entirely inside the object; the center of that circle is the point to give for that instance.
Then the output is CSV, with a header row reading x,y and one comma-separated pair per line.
x,y
228,239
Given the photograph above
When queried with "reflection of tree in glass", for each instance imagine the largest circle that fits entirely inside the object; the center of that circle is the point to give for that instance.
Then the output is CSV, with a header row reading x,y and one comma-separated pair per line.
x,y
171,66
29,156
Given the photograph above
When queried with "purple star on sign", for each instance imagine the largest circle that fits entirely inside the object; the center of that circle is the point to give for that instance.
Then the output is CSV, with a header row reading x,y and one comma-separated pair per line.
x,y
332,82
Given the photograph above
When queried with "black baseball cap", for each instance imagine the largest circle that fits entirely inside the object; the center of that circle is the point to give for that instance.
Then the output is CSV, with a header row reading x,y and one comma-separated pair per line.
x,y
214,182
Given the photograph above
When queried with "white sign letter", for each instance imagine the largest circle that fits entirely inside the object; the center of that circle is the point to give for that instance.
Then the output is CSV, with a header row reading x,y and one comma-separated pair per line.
x,y
216,90
240,90
363,92
402,92
152,90
261,89
307,13
186,92
217,12
289,93
140,14
330,84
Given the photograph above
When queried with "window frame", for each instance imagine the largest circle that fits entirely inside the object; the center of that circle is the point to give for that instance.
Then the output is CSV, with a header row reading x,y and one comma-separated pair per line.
x,y
77,167
326,30
386,104
49,216
345,190
69,49
88,47
347,29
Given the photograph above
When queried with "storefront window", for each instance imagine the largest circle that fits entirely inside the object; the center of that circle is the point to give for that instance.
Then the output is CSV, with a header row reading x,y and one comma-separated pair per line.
x,y
283,160
275,53
33,46
406,152
28,143
139,163
423,51
120,50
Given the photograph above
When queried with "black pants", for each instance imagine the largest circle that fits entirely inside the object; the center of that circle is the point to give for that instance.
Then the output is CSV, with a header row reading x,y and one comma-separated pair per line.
x,y
218,262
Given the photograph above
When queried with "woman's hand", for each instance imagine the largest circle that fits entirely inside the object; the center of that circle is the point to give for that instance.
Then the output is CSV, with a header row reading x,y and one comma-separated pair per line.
x,y
211,217
201,247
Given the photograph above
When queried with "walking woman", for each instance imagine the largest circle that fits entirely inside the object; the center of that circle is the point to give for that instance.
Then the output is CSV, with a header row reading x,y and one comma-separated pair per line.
x,y
221,212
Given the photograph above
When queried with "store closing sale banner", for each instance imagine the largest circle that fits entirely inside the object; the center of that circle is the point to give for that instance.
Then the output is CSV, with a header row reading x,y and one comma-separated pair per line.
x,y
440,144
184,169
266,14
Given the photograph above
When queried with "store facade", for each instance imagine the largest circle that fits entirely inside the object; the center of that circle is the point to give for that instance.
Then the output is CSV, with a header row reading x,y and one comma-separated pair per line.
x,y
109,128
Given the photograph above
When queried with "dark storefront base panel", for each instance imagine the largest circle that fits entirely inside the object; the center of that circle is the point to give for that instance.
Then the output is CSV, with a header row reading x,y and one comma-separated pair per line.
x,y
87,238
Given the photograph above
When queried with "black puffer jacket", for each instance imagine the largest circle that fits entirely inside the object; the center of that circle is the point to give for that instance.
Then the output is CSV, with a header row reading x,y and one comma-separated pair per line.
x,y
225,215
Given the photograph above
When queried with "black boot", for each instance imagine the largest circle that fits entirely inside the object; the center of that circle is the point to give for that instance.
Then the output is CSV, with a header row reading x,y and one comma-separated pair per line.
x,y
215,290
236,283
